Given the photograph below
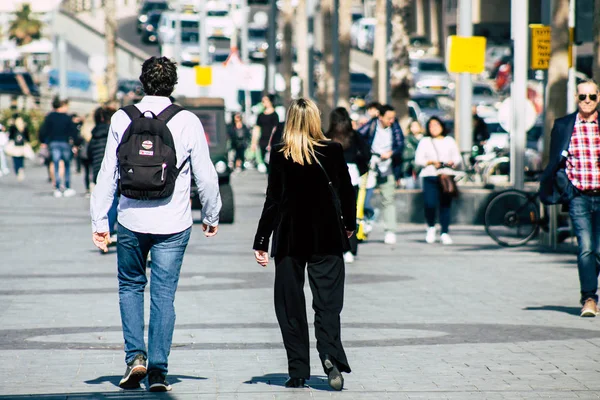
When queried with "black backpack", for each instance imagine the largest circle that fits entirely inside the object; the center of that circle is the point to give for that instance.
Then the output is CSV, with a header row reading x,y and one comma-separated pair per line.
x,y
147,157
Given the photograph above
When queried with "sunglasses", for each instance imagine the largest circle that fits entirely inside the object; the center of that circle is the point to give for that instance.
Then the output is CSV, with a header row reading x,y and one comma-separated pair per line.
x,y
593,97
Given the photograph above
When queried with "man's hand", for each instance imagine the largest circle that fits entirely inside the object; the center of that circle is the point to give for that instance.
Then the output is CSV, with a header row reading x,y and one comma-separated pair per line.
x,y
101,240
262,257
387,155
210,231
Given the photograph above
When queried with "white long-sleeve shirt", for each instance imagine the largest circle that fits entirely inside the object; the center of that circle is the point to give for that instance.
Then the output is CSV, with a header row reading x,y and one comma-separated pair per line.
x,y
162,216
443,150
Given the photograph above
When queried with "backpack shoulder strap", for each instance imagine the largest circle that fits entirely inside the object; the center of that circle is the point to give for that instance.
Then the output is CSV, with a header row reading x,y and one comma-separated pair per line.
x,y
132,112
169,112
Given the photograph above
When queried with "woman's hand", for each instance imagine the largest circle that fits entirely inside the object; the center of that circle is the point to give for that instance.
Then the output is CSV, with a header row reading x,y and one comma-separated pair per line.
x,y
262,257
436,164
450,164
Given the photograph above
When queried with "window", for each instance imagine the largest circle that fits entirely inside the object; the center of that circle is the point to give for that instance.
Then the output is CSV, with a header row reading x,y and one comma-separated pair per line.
x,y
212,121
217,13
189,24
430,66
482,91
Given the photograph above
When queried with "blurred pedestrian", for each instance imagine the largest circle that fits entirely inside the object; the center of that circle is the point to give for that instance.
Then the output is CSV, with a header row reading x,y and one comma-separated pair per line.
x,y
356,155
413,136
386,140
58,132
437,154
3,142
19,147
160,226
572,177
78,121
311,207
373,109
240,137
263,131
95,154
85,135
480,134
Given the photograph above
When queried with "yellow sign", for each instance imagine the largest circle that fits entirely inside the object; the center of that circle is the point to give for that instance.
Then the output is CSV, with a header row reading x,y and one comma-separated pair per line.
x,y
571,39
203,75
541,46
466,54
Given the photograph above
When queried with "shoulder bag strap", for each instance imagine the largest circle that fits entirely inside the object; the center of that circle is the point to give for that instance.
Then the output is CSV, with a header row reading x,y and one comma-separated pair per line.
x,y
169,112
132,112
336,202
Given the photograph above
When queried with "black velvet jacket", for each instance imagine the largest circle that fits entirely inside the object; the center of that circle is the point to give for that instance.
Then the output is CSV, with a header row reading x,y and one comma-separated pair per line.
x,y
299,208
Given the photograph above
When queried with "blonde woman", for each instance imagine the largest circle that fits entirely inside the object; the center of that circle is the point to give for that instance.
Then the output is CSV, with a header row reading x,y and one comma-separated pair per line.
x,y
311,210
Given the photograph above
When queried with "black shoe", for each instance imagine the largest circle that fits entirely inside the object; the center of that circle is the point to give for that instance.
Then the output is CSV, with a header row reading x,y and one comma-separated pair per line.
x,y
334,376
135,372
157,382
295,383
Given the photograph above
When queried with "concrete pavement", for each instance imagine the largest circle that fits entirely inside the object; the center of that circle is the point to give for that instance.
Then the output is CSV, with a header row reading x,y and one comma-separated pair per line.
x,y
469,321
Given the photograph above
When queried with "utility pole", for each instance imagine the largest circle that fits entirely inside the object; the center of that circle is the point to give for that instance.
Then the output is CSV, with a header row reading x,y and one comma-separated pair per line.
x,y
596,59
434,32
111,49
62,68
465,85
287,53
345,25
379,56
245,54
302,43
310,13
335,51
572,82
177,39
272,50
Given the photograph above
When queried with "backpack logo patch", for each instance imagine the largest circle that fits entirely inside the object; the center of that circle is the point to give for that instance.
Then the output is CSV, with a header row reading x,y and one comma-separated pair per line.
x,y
147,144
146,153
130,171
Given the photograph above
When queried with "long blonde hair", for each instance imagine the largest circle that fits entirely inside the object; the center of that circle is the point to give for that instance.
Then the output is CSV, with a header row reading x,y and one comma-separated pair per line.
x,y
302,131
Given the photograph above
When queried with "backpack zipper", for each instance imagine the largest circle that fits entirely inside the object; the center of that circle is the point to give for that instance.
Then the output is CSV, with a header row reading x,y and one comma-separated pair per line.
x,y
162,176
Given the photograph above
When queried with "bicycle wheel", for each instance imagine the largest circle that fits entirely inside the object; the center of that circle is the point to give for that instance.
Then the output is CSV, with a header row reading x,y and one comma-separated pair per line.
x,y
512,218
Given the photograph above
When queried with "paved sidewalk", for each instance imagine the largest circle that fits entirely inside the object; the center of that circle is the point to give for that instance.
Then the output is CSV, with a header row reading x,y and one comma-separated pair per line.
x,y
469,321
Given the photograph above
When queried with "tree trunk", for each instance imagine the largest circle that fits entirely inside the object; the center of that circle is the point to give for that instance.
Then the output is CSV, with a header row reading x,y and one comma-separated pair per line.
x,y
302,46
325,80
379,63
344,34
434,30
111,49
286,56
400,78
556,90
596,62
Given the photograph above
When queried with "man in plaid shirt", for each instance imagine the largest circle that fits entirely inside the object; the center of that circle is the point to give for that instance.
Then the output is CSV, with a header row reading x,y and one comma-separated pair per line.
x,y
573,177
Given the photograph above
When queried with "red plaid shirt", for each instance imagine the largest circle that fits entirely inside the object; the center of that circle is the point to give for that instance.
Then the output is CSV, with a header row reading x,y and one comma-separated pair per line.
x,y
583,162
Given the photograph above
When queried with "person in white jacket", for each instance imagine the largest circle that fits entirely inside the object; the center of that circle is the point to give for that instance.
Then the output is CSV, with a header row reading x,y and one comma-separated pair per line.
x,y
437,154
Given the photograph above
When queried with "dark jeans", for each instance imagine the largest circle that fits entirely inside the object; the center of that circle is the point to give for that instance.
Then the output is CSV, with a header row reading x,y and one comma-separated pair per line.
x,y
87,173
167,256
326,275
585,214
240,154
61,151
112,215
19,163
433,198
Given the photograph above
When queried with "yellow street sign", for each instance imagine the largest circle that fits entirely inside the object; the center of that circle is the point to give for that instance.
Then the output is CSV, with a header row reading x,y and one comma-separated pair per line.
x,y
541,46
571,40
203,75
466,54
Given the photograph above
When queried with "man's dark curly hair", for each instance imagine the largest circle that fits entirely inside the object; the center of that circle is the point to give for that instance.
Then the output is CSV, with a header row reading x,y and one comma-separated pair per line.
x,y
159,76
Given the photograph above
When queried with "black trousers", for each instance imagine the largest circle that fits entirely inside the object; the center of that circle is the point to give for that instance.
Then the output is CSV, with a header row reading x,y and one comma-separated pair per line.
x,y
326,276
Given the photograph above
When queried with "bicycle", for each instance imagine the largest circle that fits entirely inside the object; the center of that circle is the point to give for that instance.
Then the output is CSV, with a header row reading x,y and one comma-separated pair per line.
x,y
512,218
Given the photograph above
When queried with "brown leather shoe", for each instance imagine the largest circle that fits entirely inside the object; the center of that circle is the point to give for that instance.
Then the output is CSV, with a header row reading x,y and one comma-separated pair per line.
x,y
590,308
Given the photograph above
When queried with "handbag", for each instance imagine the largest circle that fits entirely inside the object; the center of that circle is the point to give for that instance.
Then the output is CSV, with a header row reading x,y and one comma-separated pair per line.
x,y
336,203
447,182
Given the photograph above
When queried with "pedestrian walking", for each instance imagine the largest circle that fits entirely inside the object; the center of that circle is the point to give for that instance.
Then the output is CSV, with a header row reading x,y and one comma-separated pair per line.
x,y
266,124
18,145
356,155
82,153
3,142
411,142
386,140
152,149
240,137
438,155
572,177
311,208
95,154
59,133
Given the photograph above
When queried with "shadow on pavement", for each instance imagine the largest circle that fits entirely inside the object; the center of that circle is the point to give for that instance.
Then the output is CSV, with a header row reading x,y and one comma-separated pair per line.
x,y
129,395
315,382
567,310
114,379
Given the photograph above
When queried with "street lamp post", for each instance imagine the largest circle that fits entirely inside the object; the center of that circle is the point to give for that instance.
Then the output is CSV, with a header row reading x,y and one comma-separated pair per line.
x,y
465,84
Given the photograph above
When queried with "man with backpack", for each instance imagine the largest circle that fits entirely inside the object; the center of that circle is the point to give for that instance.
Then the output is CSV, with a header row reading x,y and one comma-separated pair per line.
x,y
151,151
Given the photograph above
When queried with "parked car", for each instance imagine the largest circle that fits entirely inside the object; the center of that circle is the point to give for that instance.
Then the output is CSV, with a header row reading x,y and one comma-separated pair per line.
x,y
359,32
166,26
360,85
419,46
218,21
150,27
430,76
433,105
211,112
146,7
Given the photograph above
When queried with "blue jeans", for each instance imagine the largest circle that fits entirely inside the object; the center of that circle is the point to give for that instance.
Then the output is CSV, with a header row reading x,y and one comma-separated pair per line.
x,y
61,151
19,163
434,198
112,215
167,256
585,214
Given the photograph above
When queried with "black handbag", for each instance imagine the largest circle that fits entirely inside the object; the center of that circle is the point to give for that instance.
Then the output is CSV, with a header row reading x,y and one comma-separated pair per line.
x,y
336,203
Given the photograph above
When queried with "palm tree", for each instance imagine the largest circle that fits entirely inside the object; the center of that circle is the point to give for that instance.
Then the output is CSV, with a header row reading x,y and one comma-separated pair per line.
x,y
345,23
400,76
25,28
